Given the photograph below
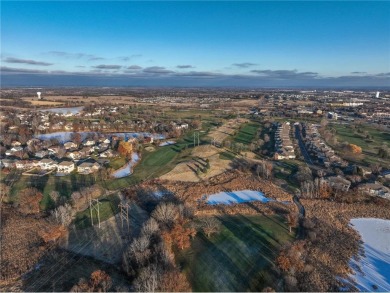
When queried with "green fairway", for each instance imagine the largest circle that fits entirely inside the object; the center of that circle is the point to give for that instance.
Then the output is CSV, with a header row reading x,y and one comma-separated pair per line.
x,y
239,258
107,209
157,163
357,136
247,133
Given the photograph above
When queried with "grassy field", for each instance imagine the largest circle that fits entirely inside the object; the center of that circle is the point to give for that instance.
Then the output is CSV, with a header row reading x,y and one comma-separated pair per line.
x,y
157,163
239,257
46,184
247,133
108,208
345,133
117,163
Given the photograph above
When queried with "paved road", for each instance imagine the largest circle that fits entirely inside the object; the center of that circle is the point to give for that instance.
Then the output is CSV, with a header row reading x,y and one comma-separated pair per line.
x,y
302,146
302,214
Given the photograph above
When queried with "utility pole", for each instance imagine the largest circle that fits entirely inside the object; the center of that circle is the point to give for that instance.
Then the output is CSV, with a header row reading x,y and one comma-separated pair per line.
x,y
124,214
95,204
196,138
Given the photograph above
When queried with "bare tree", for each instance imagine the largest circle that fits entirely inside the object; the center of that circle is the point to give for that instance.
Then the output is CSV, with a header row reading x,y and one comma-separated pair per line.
x,y
210,225
64,214
150,227
292,220
165,213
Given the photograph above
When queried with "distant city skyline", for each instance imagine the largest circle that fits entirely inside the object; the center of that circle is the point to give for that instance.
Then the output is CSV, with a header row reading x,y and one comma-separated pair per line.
x,y
243,44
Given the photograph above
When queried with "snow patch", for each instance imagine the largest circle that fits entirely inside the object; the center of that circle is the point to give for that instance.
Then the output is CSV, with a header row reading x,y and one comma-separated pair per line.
x,y
128,168
372,269
233,197
170,142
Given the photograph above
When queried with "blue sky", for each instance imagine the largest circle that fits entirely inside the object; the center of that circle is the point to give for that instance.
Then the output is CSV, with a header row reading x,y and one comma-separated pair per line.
x,y
196,43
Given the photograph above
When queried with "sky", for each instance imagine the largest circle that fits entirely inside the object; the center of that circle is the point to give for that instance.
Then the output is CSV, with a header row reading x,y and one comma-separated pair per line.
x,y
243,44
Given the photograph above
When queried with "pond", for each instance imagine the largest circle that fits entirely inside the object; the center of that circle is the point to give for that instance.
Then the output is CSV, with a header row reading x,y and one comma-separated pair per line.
x,y
72,110
65,136
232,197
127,169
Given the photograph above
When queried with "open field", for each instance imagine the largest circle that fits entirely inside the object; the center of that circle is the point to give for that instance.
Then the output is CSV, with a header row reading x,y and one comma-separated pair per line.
x,y
186,171
45,103
225,131
46,184
239,258
157,163
370,146
108,208
247,133
107,242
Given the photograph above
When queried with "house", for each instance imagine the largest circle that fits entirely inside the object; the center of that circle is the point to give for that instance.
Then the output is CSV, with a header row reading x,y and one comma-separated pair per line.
x,y
89,142
47,164
107,154
104,140
375,189
70,144
148,139
386,174
73,155
16,149
16,143
53,150
339,183
65,167
24,164
41,154
8,163
88,168
33,141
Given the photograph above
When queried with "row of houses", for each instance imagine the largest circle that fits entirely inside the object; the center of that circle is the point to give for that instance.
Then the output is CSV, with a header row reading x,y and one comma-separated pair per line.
x,y
319,149
64,167
284,148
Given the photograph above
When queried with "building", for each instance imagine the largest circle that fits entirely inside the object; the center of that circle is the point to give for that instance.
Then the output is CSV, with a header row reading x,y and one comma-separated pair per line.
x,y
47,164
88,168
375,189
65,167
70,145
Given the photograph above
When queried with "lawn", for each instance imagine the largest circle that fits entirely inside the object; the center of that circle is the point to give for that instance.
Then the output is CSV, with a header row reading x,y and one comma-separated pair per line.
x,y
157,163
227,155
107,208
247,133
239,258
117,163
46,184
370,147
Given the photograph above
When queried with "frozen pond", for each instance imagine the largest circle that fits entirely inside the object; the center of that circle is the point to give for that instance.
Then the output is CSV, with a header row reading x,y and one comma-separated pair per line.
x,y
372,269
62,137
72,110
128,135
65,136
241,196
127,169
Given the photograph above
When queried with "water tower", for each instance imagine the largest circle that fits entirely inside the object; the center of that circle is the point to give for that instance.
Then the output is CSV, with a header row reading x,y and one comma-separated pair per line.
x,y
39,95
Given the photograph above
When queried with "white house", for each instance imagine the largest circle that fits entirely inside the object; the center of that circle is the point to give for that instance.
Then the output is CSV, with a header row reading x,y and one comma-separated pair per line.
x,y
41,154
65,167
88,168
24,164
89,142
69,145
47,164
74,155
